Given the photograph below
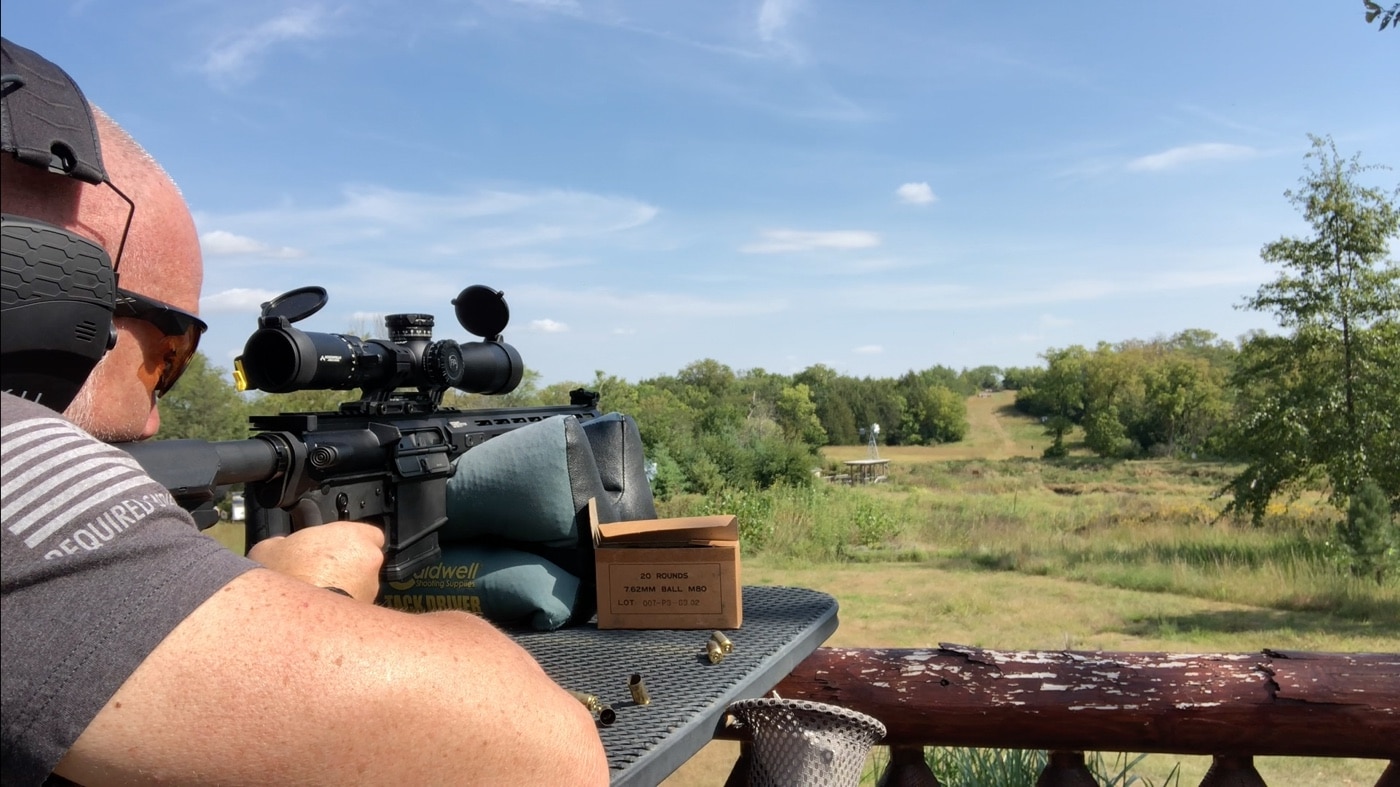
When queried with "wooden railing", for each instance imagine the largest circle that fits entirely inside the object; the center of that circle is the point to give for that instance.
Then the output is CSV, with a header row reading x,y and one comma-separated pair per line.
x,y
1232,706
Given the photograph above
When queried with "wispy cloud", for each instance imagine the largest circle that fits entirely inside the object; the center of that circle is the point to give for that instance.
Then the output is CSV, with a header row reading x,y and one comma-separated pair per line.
x,y
235,300
533,262
235,56
772,26
1189,154
558,6
869,349
436,225
548,326
648,304
961,298
916,193
217,243
784,241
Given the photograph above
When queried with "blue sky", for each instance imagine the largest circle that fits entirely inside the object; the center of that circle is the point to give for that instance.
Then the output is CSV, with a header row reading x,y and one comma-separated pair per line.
x,y
877,187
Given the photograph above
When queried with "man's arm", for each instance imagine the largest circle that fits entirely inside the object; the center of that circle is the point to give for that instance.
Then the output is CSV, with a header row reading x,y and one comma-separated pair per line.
x,y
272,681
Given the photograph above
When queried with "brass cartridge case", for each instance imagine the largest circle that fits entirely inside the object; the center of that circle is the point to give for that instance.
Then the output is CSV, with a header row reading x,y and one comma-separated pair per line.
x,y
590,701
723,642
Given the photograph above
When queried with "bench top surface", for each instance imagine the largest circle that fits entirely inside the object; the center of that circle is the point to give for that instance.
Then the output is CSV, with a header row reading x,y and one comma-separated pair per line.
x,y
689,695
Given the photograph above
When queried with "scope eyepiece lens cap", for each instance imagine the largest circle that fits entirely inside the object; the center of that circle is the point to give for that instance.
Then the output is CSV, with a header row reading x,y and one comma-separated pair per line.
x,y
482,310
297,304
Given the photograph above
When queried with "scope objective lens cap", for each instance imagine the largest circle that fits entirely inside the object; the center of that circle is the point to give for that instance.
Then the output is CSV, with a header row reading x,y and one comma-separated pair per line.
x,y
482,311
296,305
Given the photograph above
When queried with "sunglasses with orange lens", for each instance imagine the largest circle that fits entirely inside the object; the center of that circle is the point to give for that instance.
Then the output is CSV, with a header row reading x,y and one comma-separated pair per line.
x,y
181,332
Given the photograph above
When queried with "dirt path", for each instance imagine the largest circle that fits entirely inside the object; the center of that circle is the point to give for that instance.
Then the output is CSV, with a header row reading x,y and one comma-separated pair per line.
x,y
985,427
994,432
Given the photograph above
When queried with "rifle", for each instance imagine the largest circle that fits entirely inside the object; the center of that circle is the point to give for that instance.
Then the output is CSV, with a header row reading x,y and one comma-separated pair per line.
x,y
384,459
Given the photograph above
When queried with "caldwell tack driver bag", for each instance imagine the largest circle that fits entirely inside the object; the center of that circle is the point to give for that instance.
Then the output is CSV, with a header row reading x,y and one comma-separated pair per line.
x,y
503,585
517,546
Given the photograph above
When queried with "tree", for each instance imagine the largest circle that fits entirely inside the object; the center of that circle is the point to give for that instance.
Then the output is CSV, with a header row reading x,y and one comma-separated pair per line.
x,y
203,405
797,415
1370,534
1185,399
1319,404
1388,16
1112,379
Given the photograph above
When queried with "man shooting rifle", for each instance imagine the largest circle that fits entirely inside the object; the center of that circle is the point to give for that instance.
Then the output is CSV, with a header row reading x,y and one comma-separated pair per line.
x,y
136,649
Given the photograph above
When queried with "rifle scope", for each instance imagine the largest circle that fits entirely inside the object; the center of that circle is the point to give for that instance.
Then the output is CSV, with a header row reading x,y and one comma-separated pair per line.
x,y
279,358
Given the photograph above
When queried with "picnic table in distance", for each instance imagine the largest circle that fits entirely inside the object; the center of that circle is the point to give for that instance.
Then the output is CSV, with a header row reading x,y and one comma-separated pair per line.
x,y
866,471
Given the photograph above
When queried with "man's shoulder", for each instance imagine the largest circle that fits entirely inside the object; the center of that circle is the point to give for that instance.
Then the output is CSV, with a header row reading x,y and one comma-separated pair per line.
x,y
65,491
14,408
20,416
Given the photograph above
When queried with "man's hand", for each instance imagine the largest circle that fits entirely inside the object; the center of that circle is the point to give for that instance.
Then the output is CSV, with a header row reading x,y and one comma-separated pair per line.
x,y
345,555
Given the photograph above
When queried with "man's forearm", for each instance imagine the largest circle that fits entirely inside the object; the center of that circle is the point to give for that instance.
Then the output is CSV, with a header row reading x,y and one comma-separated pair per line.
x,y
275,681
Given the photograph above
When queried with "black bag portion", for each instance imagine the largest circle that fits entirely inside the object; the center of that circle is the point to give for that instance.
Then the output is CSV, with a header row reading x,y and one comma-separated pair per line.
x,y
617,450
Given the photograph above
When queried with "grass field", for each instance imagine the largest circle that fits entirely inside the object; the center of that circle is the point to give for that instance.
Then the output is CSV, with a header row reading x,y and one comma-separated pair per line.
x,y
981,543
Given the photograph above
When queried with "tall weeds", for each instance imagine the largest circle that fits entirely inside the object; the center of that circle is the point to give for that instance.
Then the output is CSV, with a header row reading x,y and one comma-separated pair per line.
x,y
1151,526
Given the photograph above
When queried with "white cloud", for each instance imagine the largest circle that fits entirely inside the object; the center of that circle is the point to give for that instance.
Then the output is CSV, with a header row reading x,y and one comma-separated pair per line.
x,y
1051,321
238,299
548,326
773,16
219,243
869,349
916,193
232,59
640,305
437,227
781,241
1187,154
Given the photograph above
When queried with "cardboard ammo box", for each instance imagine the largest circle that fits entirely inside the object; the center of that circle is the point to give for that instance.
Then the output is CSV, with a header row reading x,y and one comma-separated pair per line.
x,y
668,573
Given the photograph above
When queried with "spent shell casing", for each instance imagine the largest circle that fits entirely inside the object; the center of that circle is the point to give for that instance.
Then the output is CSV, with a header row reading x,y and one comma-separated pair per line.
x,y
606,715
723,642
590,701
714,651
638,689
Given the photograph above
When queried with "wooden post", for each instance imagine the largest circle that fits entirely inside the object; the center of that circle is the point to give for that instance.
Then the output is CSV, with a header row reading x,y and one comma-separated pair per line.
x,y
739,775
1232,771
908,768
1066,769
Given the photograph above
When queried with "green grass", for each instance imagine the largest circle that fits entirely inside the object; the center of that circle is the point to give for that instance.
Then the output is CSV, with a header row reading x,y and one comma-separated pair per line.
x,y
986,544
1159,532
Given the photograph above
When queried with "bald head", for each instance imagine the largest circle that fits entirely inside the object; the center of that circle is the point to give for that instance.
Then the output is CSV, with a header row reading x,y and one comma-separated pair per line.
x,y
160,259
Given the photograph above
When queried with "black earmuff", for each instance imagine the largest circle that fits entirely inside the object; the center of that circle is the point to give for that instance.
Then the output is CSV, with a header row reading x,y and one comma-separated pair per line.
x,y
57,291
57,288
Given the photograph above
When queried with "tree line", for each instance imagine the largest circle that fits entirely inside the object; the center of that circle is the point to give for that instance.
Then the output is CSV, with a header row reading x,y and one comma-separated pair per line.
x,y
706,427
1316,406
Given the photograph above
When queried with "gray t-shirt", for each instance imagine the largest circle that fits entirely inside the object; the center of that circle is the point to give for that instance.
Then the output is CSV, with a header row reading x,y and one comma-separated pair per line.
x,y
99,565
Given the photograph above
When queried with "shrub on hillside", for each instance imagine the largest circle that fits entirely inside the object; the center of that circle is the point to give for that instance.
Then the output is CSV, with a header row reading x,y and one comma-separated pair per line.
x,y
1370,534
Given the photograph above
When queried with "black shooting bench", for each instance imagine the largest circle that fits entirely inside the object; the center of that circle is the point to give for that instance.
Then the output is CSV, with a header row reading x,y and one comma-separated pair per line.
x,y
689,695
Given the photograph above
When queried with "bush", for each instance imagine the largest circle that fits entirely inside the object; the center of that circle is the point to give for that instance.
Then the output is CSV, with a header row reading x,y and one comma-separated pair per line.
x,y
1369,534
